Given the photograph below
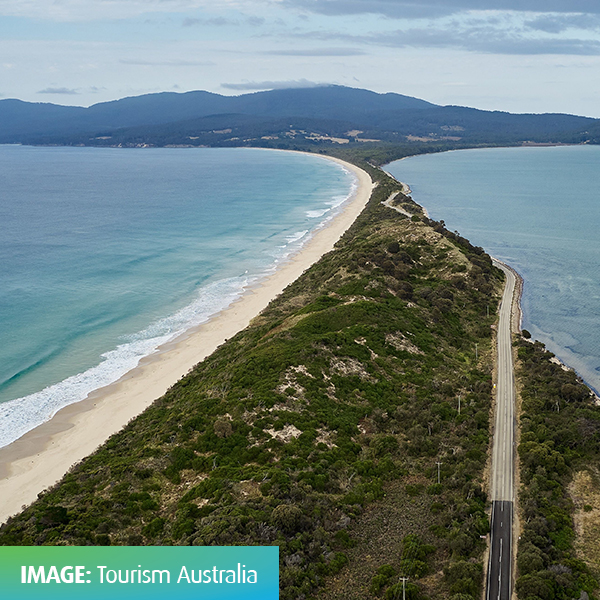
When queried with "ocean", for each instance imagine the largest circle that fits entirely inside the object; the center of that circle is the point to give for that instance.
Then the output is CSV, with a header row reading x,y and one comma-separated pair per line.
x,y
106,254
537,209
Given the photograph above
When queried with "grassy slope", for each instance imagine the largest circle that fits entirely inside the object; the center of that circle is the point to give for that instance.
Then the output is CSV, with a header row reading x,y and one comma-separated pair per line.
x,y
318,428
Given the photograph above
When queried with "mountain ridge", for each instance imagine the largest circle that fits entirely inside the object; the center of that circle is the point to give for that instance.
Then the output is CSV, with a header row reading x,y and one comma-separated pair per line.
x,y
335,115
165,107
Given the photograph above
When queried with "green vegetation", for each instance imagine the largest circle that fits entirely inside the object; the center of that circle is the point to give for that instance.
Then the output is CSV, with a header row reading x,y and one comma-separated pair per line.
x,y
413,565
560,435
324,117
332,407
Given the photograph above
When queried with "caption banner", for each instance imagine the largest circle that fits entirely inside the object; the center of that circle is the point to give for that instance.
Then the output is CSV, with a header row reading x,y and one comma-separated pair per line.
x,y
124,572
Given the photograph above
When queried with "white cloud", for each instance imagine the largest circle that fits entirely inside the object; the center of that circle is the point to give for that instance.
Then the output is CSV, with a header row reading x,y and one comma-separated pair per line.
x,y
89,10
59,90
271,85
216,22
558,23
165,63
486,40
417,9
502,33
316,52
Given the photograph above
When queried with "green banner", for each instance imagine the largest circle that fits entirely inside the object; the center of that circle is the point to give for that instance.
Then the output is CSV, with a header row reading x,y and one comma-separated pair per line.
x,y
130,572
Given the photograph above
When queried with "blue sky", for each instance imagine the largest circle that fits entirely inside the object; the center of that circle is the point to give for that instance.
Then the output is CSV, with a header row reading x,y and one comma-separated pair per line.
x,y
515,55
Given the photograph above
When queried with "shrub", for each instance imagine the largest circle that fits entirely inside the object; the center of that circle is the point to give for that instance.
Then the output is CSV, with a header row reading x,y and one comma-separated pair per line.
x,y
378,583
223,428
154,527
534,586
413,568
287,517
395,592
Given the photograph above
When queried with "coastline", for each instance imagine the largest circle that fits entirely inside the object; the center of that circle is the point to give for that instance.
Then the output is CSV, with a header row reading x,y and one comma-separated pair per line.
x,y
42,456
516,319
578,362
406,188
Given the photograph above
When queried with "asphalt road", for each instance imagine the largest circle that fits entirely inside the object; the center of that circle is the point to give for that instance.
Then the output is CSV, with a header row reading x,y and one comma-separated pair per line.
x,y
499,580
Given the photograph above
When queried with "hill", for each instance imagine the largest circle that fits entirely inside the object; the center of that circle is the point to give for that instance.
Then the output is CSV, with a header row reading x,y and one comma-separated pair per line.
x,y
300,118
24,120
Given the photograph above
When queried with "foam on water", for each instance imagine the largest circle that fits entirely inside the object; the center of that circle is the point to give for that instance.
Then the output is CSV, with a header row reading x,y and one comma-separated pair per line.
x,y
22,414
332,204
296,237
315,214
19,416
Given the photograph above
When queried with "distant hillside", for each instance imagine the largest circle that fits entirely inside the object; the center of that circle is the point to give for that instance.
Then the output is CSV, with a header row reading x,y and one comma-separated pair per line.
x,y
299,118
22,120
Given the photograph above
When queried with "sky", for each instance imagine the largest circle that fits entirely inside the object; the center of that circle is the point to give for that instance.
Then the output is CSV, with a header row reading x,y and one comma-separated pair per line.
x,y
512,55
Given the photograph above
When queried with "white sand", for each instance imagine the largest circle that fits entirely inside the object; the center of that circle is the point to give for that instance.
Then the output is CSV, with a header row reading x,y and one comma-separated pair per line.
x,y
41,457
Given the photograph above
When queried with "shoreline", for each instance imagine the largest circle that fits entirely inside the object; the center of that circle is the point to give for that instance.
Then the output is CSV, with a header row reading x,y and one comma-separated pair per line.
x,y
45,454
516,318
406,188
517,311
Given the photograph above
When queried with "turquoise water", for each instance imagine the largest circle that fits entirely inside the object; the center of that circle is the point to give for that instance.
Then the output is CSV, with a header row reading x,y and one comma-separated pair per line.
x,y
105,254
538,209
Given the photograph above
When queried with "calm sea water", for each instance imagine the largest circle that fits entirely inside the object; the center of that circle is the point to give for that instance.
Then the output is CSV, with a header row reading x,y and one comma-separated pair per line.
x,y
538,209
105,254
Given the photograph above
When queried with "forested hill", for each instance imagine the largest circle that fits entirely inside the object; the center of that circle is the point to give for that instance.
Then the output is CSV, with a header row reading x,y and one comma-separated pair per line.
x,y
18,119
304,118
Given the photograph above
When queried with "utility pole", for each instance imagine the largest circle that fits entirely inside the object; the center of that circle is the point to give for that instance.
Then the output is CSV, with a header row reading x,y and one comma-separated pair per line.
x,y
459,404
439,464
403,580
476,355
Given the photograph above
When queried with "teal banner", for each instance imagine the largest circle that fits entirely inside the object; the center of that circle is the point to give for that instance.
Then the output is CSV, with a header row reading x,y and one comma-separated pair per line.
x,y
129,572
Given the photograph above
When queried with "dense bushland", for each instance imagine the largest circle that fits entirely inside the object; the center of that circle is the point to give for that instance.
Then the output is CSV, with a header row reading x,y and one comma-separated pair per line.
x,y
560,434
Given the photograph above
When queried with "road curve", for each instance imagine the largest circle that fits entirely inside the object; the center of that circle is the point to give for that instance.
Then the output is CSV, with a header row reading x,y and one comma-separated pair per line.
x,y
499,579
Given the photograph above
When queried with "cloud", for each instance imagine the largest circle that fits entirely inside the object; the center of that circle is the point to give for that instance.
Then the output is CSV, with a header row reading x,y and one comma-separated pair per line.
x,y
317,52
484,40
90,10
215,22
414,9
253,21
61,90
165,63
271,85
483,33
388,8
560,23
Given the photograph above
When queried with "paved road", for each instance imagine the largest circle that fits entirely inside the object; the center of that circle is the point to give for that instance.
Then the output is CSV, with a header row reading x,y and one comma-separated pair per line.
x,y
499,581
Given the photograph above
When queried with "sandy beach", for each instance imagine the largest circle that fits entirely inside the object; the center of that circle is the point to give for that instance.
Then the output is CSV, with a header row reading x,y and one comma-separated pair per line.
x,y
42,456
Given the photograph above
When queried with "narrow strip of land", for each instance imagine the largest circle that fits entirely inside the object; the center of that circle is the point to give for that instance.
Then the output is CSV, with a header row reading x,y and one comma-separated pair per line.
x,y
499,580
